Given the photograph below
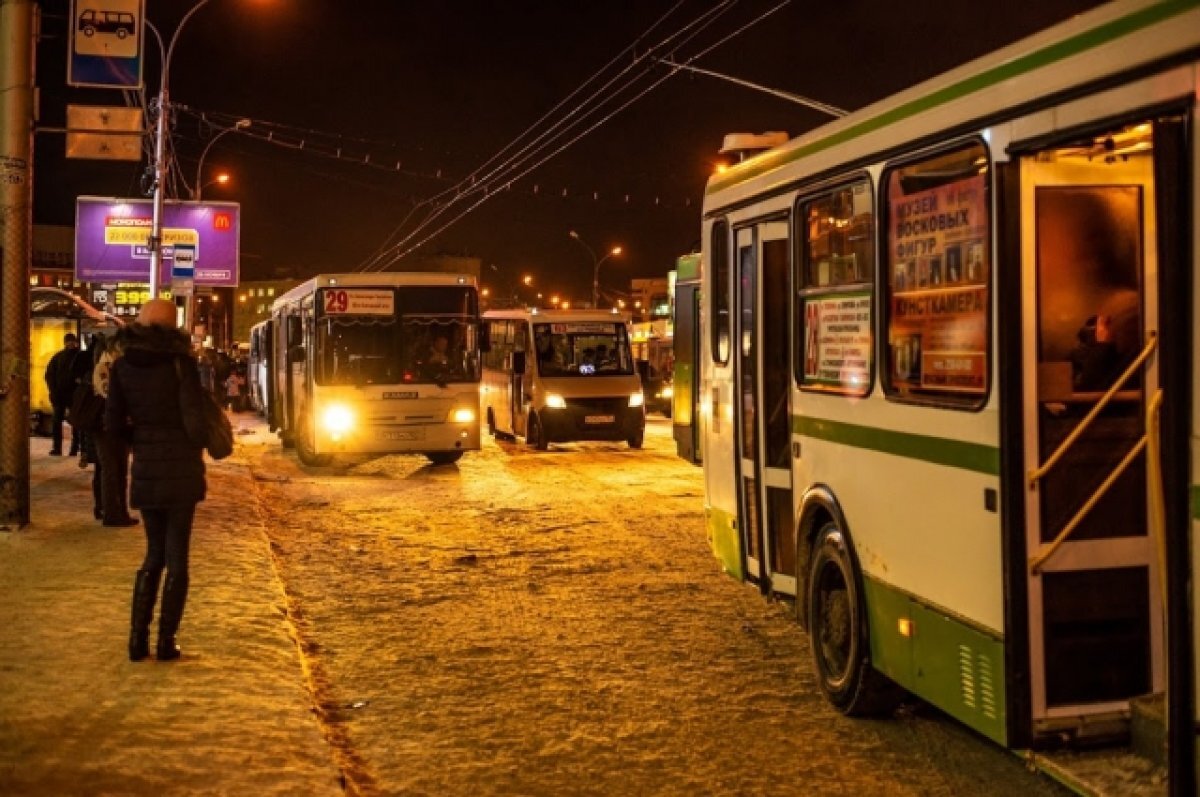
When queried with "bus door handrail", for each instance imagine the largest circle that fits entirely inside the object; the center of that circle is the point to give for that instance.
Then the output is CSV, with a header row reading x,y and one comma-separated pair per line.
x,y
1036,562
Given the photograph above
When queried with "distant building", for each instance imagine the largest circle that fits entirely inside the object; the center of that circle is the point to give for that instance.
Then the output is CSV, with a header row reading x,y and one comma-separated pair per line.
x,y
650,299
53,263
253,304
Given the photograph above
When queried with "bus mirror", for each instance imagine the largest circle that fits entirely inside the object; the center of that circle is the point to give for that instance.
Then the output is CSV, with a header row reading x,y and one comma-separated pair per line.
x,y
296,354
294,331
518,362
485,337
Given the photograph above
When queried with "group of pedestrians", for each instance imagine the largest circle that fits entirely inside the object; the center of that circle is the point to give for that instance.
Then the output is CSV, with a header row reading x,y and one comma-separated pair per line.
x,y
139,374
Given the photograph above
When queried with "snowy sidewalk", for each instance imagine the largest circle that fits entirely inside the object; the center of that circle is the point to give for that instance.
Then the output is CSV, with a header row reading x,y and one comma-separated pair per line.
x,y
78,718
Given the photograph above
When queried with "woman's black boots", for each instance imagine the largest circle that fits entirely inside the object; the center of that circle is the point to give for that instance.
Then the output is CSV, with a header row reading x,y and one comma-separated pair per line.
x,y
173,598
145,590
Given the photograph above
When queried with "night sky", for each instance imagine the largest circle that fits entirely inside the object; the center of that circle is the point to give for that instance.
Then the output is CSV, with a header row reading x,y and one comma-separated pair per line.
x,y
441,87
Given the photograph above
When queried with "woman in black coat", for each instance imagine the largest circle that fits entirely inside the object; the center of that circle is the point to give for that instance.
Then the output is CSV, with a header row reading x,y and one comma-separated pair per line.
x,y
167,476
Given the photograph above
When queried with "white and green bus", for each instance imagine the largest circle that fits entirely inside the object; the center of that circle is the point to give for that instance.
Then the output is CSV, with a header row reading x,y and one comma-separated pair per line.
x,y
376,364
948,384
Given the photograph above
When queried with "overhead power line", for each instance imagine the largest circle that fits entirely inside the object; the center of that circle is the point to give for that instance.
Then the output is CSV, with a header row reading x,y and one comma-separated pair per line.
x,y
519,166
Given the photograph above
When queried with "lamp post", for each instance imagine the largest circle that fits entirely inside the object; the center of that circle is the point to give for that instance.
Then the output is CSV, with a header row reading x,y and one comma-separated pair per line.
x,y
596,263
241,124
160,149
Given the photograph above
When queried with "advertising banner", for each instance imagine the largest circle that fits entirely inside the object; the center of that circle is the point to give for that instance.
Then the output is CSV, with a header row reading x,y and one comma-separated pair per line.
x,y
111,238
837,342
938,245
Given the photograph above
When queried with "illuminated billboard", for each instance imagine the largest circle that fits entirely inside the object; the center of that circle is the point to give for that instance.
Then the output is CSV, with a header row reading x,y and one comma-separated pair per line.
x,y
111,238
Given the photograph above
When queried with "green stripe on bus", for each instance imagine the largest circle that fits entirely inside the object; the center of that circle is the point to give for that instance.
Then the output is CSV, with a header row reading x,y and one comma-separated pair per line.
x,y
724,541
1058,51
687,267
938,450
952,664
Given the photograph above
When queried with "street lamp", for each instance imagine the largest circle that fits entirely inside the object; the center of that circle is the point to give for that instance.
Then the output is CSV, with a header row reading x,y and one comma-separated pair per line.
x,y
241,124
220,179
160,149
596,262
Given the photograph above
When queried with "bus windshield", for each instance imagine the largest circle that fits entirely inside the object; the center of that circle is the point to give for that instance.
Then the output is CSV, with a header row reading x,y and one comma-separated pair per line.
x,y
582,348
411,335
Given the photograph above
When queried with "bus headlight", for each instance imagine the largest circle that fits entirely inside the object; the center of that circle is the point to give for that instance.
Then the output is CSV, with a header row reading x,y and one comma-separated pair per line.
x,y
463,415
337,419
555,401
637,399
667,392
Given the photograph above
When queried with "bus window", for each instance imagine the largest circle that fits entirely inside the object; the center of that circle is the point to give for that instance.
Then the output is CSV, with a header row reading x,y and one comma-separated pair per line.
x,y
937,279
720,293
834,281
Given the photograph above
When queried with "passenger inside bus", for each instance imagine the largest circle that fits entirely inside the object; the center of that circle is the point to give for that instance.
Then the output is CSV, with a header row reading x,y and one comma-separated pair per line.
x,y
1095,362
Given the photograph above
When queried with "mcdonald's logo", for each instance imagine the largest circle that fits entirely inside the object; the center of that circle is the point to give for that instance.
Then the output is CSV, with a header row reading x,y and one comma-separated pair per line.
x,y
222,221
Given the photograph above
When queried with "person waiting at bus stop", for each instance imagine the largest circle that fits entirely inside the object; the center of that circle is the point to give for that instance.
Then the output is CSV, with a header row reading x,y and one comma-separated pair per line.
x,y
62,375
168,469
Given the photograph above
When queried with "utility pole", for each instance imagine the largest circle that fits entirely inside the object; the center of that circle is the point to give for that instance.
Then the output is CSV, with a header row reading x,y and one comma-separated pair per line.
x,y
17,31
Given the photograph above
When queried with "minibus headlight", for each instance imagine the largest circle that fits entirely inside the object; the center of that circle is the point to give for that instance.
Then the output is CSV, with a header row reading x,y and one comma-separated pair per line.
x,y
337,419
667,392
463,415
555,401
637,399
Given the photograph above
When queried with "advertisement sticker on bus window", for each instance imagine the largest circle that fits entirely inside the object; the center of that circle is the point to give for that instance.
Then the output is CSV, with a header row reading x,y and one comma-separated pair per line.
x,y
358,301
938,327
580,328
837,342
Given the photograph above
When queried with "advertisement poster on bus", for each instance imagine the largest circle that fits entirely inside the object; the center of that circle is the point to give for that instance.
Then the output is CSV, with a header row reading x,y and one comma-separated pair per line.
x,y
938,245
111,240
837,343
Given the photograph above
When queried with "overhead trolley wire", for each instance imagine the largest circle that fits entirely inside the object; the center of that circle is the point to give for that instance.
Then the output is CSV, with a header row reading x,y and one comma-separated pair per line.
x,y
407,246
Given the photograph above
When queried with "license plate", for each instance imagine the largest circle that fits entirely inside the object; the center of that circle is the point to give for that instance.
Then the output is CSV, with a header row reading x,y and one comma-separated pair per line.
x,y
600,419
408,434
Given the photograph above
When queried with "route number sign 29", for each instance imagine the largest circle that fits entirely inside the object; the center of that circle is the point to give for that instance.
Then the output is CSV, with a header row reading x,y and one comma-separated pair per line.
x,y
358,301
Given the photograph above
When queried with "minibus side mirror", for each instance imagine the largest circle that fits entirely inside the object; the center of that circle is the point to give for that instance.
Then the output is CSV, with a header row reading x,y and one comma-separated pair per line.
x,y
518,362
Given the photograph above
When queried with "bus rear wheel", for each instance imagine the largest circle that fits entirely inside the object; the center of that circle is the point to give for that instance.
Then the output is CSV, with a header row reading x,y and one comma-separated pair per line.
x,y
837,623
444,457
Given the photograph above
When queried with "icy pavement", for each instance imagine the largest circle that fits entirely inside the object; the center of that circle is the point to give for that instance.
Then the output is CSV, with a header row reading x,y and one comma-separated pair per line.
x,y
233,717
529,623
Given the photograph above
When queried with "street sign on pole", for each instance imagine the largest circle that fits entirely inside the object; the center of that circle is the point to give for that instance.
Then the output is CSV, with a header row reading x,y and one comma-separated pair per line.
x,y
106,43
101,133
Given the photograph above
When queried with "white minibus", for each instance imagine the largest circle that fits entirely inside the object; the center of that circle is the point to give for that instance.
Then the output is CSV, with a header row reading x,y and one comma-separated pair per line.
x,y
561,375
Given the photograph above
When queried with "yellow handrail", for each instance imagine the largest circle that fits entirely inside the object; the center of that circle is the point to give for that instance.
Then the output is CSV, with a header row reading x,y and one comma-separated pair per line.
x,y
1154,487
1036,562
1036,475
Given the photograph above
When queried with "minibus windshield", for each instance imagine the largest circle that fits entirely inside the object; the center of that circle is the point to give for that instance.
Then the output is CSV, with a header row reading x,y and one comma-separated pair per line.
x,y
582,348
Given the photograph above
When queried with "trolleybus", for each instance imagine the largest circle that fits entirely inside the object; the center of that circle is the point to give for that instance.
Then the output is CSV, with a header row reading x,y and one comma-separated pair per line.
x,y
376,364
948,381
